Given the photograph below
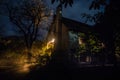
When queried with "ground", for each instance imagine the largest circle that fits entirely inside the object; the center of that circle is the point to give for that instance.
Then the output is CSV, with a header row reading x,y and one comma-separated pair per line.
x,y
52,72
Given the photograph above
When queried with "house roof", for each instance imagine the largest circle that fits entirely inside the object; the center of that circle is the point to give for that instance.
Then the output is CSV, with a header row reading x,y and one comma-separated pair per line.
x,y
76,26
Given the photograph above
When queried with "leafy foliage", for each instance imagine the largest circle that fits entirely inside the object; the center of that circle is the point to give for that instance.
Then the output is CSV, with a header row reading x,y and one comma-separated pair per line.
x,y
64,2
96,18
95,44
97,3
85,45
16,52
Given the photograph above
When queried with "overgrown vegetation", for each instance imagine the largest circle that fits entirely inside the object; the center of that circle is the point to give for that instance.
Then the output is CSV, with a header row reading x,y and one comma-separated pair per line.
x,y
28,17
88,48
14,52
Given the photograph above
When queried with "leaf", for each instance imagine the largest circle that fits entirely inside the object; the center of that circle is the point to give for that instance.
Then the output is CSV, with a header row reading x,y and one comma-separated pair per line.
x,y
94,19
52,1
70,2
92,5
66,2
65,5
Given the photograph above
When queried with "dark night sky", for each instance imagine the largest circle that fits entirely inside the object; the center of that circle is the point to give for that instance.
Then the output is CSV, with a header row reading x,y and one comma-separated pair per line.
x,y
74,12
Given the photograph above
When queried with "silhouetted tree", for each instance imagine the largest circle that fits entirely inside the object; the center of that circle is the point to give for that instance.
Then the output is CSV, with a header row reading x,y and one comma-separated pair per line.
x,y
28,15
63,2
108,25
107,22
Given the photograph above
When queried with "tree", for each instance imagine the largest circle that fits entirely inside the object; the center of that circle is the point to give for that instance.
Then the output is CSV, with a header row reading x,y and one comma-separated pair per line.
x,y
108,25
107,22
63,2
28,15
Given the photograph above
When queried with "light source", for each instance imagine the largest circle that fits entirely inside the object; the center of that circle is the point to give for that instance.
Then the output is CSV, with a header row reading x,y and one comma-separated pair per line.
x,y
51,42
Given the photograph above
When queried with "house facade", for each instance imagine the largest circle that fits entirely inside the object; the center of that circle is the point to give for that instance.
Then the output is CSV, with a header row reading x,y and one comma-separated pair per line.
x,y
61,29
65,33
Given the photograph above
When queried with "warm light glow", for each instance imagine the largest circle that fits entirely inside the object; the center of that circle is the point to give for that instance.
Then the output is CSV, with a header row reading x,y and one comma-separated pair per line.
x,y
50,43
53,40
25,68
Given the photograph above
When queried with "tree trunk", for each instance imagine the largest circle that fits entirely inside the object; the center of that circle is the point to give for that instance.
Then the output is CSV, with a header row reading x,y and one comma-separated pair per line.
x,y
29,48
